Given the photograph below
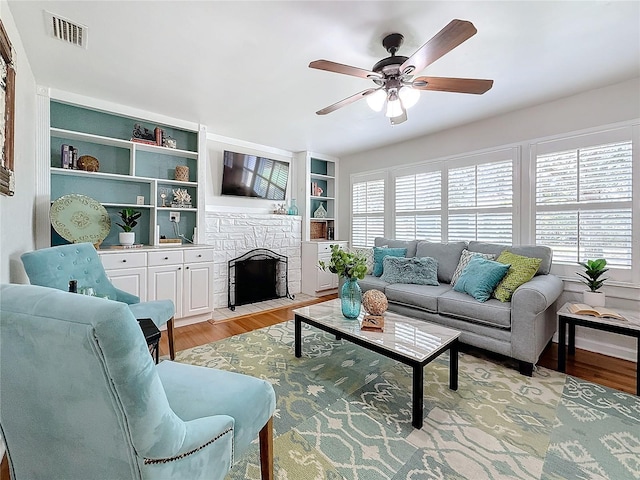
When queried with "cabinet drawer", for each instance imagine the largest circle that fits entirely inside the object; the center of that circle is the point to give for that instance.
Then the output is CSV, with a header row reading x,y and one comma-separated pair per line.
x,y
123,260
325,247
164,258
201,255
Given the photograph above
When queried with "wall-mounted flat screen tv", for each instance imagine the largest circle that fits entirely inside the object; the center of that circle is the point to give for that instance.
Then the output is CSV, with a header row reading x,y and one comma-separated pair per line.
x,y
252,176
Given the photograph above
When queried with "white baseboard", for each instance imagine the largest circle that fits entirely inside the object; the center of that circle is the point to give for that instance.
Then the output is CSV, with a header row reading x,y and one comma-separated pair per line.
x,y
604,348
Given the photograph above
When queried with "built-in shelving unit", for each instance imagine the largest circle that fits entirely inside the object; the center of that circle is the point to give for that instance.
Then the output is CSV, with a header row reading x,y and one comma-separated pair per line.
x,y
320,171
128,170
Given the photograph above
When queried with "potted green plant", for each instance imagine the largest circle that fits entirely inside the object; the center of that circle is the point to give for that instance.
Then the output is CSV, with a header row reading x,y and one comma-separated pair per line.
x,y
352,267
593,271
129,218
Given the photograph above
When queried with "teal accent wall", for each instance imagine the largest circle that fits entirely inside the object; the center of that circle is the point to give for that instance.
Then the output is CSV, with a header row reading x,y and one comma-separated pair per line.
x,y
101,189
112,159
163,166
318,167
186,225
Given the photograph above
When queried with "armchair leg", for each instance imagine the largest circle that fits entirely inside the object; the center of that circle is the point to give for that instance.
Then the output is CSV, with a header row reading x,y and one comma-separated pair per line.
x,y
172,350
266,450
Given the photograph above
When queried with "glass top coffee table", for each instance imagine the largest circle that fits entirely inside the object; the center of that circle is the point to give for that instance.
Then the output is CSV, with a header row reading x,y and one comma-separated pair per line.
x,y
407,340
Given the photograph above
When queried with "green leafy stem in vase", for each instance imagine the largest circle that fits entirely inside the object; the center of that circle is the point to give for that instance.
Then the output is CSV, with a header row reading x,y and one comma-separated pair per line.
x,y
345,264
129,218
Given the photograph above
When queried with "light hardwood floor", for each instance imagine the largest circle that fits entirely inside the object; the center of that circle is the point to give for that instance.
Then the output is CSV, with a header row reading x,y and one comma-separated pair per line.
x,y
601,369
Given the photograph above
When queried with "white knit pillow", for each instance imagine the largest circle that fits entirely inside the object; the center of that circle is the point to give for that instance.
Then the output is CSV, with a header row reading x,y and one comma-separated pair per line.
x,y
465,258
367,253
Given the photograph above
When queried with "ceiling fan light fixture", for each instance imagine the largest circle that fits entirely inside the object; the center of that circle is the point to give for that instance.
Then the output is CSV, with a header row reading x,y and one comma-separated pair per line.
x,y
408,96
376,100
394,107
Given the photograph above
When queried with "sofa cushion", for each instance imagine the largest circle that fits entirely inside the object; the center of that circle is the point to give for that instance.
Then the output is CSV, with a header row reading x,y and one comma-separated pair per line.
x,y
465,257
378,256
521,271
424,297
414,270
367,253
534,251
410,245
460,305
480,277
369,282
447,254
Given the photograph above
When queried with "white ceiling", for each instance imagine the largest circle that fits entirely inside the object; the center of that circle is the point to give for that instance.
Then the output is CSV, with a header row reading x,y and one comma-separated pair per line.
x,y
241,68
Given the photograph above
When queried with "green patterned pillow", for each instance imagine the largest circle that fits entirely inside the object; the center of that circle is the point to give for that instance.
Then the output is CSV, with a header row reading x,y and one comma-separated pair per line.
x,y
522,270
465,257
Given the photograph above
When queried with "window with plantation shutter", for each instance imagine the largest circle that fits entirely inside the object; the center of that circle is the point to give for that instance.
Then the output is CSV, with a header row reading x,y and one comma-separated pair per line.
x,y
367,203
418,206
480,202
584,199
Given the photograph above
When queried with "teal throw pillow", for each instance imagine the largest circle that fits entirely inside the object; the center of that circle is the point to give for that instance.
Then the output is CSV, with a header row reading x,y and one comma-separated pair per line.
x,y
416,270
378,256
480,277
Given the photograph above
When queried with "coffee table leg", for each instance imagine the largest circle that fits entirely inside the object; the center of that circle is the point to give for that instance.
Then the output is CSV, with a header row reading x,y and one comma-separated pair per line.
x,y
453,365
418,396
298,337
571,345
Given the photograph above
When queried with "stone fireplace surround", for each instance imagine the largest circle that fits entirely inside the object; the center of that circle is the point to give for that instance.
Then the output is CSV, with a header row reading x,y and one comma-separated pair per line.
x,y
234,234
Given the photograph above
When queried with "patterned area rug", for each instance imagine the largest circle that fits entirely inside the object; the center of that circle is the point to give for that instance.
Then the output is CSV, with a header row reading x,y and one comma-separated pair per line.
x,y
345,413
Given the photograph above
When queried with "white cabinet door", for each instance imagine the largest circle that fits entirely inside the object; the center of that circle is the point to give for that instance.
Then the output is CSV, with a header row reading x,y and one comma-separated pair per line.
x,y
326,279
165,283
131,280
198,288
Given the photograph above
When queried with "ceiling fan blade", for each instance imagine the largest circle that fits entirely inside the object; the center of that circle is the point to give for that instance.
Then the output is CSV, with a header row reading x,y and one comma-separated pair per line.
x,y
444,41
344,69
346,101
456,85
399,119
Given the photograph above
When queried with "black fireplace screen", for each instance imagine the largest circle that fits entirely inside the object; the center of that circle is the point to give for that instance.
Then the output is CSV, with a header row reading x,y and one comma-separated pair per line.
x,y
257,276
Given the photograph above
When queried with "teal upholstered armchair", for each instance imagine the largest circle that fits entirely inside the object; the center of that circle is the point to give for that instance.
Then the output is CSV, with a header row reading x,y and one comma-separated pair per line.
x,y
82,399
54,267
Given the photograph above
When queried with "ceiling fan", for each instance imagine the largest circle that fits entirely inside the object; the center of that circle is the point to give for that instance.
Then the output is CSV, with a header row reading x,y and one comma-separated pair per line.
x,y
396,87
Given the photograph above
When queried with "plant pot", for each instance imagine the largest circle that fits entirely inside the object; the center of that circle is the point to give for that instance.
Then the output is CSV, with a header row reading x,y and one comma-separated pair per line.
x,y
351,298
127,238
593,299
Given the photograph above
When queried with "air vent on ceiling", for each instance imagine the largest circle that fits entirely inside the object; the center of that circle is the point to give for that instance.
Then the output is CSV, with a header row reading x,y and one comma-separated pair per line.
x,y
66,30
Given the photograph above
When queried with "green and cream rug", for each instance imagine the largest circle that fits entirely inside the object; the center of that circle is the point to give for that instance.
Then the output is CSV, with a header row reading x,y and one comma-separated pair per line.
x,y
345,413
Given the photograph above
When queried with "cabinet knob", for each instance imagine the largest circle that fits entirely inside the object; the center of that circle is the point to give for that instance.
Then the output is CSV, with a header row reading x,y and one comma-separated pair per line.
x,y
124,261
166,258
179,268
199,256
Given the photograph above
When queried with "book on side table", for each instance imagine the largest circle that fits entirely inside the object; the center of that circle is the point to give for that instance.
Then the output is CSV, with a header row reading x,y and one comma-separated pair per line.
x,y
601,312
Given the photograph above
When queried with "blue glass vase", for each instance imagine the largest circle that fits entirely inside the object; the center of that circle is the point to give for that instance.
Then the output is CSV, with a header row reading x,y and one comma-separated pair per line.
x,y
351,298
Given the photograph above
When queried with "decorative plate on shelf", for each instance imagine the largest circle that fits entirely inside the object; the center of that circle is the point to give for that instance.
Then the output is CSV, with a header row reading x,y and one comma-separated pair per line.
x,y
78,218
88,163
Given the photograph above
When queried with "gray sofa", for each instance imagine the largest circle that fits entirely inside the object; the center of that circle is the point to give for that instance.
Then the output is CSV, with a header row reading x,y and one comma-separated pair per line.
x,y
519,329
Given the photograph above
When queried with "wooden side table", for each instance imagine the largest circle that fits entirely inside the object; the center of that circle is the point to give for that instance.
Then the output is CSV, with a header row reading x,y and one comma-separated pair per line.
x,y
630,327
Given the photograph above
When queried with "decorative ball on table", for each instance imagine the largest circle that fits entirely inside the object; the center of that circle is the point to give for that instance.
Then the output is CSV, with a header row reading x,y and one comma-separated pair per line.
x,y
375,304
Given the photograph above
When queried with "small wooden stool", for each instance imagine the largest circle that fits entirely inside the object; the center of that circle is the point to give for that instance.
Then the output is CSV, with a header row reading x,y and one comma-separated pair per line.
x,y
152,336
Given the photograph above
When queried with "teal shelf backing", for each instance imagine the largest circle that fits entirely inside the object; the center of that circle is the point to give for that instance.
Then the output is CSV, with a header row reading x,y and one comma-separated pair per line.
x,y
319,167
112,159
185,226
169,191
79,119
101,189
163,167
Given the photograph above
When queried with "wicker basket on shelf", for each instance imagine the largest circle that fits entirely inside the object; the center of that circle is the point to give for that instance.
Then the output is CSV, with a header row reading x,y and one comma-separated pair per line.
x,y
318,230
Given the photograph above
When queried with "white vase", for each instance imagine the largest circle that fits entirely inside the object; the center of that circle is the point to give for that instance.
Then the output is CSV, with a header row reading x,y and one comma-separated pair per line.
x,y
593,299
127,238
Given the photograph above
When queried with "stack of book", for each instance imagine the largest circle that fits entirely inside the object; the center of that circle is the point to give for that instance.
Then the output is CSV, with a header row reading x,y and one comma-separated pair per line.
x,y
68,157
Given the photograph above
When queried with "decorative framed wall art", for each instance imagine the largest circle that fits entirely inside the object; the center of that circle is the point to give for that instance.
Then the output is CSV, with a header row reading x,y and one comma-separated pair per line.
x,y
7,107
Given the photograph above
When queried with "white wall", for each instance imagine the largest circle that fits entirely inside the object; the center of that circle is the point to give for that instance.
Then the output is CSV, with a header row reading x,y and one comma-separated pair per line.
x,y
592,109
17,216
214,201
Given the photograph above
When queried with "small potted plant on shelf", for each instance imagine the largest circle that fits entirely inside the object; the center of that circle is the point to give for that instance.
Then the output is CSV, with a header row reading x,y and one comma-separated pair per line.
x,y
129,218
593,270
352,267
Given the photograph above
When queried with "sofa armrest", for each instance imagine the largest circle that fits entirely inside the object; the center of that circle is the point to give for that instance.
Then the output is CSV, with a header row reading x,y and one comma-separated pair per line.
x,y
533,321
536,295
